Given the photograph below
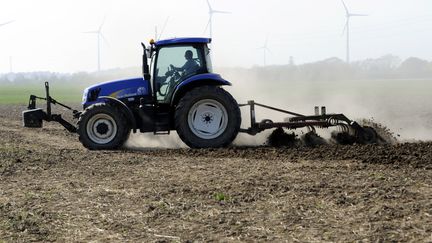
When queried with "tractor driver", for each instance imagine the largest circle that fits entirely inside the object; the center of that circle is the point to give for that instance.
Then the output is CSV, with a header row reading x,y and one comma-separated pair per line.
x,y
189,67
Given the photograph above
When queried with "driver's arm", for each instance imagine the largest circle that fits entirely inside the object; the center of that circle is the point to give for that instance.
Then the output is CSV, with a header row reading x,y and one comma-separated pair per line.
x,y
177,68
185,66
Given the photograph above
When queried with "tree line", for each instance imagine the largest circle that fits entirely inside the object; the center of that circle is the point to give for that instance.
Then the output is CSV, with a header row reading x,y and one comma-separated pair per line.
x,y
331,69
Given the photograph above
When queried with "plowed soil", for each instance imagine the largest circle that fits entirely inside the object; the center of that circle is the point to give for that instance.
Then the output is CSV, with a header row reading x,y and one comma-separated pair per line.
x,y
52,189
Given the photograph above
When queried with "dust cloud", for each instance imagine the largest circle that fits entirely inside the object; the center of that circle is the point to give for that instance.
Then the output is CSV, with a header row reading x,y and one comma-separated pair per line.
x,y
149,140
403,106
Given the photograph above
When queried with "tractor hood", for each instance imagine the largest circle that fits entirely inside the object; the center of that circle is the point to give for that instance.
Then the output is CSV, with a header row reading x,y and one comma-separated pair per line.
x,y
119,89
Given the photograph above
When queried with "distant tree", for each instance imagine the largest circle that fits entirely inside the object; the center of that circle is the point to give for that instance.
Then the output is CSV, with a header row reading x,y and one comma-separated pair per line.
x,y
414,67
326,70
382,67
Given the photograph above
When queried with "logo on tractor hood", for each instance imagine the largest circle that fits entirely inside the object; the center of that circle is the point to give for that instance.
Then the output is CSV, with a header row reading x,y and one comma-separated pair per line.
x,y
130,92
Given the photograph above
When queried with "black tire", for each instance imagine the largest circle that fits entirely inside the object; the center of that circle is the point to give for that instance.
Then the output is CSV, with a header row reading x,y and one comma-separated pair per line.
x,y
229,122
103,117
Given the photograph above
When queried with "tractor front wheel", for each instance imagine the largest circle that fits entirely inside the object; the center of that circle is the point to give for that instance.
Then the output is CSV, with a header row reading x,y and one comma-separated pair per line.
x,y
207,117
102,126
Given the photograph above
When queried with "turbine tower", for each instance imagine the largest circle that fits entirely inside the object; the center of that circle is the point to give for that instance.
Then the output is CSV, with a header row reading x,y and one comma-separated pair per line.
x,y
348,15
265,50
211,12
100,36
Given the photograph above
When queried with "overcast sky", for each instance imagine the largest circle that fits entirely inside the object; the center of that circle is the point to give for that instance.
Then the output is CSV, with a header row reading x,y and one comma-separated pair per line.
x,y
47,35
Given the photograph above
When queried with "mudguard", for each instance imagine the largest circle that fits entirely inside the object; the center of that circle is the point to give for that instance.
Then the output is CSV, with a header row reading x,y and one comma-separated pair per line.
x,y
123,106
195,81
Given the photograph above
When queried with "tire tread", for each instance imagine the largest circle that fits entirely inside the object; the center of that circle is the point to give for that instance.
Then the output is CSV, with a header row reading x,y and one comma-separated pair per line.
x,y
226,99
117,142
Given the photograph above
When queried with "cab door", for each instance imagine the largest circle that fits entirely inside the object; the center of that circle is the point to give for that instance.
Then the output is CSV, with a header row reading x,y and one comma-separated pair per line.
x,y
164,78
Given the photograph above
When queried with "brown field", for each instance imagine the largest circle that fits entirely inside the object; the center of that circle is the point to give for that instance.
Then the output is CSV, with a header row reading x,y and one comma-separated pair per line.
x,y
52,189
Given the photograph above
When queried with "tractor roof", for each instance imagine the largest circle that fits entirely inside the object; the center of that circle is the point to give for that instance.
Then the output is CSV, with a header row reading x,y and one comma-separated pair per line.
x,y
176,41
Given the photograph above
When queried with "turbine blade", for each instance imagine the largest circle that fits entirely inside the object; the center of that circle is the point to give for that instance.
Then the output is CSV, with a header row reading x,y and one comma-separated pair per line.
x,y
7,22
163,28
100,26
265,45
208,24
346,9
345,27
221,12
209,6
104,39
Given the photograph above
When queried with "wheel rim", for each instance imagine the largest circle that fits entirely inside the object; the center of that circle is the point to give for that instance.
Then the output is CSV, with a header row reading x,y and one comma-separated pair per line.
x,y
208,119
101,128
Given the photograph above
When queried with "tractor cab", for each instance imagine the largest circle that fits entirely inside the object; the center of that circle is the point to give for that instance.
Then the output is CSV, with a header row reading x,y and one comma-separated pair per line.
x,y
174,61
178,91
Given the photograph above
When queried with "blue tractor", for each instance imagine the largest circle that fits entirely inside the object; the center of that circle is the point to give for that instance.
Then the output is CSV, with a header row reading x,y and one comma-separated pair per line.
x,y
178,91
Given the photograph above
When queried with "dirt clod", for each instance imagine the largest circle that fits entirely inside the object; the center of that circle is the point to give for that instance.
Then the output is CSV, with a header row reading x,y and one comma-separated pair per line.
x,y
311,139
279,138
384,133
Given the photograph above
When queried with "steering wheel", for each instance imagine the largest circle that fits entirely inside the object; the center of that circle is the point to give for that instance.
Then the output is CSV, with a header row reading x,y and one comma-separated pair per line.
x,y
172,75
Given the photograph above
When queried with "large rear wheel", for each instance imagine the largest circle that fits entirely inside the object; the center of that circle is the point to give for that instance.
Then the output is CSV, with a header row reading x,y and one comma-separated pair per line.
x,y
207,116
102,126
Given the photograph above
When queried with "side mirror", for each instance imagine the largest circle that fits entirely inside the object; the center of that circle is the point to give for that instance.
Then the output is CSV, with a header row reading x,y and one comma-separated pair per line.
x,y
145,67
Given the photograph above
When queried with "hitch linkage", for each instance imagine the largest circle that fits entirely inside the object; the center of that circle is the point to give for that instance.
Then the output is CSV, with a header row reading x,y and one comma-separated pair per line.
x,y
33,117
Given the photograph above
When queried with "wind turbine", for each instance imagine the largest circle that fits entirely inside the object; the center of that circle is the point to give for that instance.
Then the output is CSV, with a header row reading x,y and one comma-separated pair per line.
x,y
346,28
265,50
99,34
211,12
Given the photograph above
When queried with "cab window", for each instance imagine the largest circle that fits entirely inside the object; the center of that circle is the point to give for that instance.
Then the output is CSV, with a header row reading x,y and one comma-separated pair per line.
x,y
173,66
